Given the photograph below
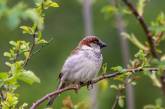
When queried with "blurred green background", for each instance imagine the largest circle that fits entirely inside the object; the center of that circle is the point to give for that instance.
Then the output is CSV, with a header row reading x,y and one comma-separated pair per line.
x,y
65,25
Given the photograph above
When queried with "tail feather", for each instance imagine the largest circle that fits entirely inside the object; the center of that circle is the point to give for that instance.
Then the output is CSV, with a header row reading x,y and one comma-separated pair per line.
x,y
51,100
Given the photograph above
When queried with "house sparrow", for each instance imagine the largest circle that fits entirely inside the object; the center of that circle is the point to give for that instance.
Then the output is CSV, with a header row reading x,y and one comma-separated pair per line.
x,y
83,64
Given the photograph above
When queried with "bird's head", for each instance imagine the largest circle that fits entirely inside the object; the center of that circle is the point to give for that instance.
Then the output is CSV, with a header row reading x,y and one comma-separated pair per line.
x,y
93,42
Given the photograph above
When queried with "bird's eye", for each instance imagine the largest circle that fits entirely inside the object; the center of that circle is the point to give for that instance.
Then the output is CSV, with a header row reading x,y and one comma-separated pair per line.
x,y
96,41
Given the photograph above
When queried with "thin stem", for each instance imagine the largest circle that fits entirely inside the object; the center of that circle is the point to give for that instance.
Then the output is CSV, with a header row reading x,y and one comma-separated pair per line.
x,y
114,106
31,48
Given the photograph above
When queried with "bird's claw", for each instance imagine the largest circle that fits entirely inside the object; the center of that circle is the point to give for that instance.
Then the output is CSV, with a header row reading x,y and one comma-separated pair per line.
x,y
77,87
89,84
49,98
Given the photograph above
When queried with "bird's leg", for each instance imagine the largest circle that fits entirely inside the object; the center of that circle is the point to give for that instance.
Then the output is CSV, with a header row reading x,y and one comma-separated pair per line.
x,y
49,98
89,83
77,87
81,83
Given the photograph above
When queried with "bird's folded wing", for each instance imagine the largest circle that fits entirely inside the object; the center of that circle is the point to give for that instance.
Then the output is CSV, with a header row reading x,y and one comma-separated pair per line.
x,y
73,65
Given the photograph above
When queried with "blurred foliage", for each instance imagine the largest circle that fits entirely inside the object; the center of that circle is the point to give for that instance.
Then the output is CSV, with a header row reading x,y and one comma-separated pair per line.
x,y
158,105
20,53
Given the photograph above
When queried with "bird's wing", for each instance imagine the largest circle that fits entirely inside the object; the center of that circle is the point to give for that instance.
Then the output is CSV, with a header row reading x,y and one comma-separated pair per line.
x,y
72,64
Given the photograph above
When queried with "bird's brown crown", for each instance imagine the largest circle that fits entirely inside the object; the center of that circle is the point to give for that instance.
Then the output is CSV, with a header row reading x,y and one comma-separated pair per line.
x,y
88,40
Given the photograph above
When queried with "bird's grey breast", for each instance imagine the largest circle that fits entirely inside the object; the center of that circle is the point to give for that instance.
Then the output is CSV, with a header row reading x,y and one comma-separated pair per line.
x,y
82,66
92,55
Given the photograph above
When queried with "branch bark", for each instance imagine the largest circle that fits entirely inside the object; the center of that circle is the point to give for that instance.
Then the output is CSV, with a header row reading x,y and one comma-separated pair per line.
x,y
31,48
94,81
145,28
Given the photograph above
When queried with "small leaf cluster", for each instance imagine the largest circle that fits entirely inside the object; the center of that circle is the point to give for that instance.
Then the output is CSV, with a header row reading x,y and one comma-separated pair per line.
x,y
19,54
143,58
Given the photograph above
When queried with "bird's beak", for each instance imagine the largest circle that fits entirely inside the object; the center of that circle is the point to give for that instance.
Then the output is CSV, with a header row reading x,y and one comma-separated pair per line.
x,y
102,44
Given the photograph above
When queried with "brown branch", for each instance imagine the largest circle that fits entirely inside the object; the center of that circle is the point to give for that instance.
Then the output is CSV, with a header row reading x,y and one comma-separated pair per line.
x,y
145,28
94,81
31,48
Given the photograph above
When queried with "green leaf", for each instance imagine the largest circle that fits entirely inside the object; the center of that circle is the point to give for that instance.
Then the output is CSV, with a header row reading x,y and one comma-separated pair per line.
x,y
27,29
158,25
121,101
7,54
50,3
140,6
104,68
24,106
114,87
135,41
54,4
155,79
11,101
28,77
42,41
3,75
8,64
118,68
13,43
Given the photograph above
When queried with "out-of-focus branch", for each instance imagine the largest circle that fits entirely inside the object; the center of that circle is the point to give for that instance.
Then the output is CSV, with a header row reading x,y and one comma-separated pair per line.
x,y
125,54
145,28
88,27
94,81
114,106
87,16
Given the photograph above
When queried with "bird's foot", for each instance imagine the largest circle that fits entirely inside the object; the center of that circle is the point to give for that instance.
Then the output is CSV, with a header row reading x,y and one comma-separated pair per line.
x,y
81,83
89,84
77,87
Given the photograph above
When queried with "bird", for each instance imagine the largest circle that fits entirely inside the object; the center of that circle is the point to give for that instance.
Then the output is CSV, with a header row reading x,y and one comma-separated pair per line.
x,y
82,65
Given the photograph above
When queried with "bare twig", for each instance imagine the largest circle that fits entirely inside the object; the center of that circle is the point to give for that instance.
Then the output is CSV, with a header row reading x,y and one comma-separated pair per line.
x,y
145,28
94,81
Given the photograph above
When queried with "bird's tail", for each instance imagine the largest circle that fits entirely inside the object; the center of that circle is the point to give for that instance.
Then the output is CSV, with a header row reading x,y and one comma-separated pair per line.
x,y
51,100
